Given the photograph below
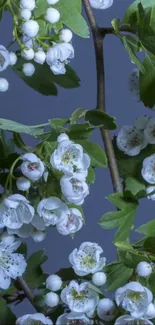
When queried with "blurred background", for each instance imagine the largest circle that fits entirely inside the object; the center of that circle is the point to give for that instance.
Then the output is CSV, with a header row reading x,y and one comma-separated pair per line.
x,y
23,104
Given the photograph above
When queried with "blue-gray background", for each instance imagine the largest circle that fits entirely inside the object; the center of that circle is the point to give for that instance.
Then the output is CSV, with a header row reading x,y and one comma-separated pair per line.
x,y
24,105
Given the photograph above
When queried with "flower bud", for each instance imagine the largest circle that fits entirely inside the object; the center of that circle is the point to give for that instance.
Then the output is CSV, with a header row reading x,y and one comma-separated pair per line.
x,y
62,137
38,236
51,299
12,58
28,69
150,312
28,4
52,2
106,309
65,35
7,239
4,85
52,15
99,278
53,282
25,14
27,54
23,184
144,269
40,57
30,28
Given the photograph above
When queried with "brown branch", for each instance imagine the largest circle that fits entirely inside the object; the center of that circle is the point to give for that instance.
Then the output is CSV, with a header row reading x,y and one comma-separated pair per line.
x,y
26,289
98,45
110,30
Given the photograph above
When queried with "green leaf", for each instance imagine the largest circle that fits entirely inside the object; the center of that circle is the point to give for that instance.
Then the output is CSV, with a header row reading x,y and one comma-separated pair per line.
x,y
80,131
113,272
145,31
132,45
131,13
149,244
57,122
67,274
99,118
134,186
116,24
91,176
147,228
6,315
34,275
96,154
147,81
77,114
20,128
96,289
122,245
130,258
152,282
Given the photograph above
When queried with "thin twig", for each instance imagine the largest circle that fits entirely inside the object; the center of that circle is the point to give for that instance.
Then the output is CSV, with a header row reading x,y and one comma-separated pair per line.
x,y
110,30
26,289
98,44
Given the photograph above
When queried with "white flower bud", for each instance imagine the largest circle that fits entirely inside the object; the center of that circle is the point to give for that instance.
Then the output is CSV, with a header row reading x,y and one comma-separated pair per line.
x,y
30,28
101,4
51,299
99,278
7,239
27,54
25,14
23,184
52,15
144,269
62,137
12,58
52,2
53,282
4,85
150,312
38,236
28,4
106,309
28,69
40,57
66,35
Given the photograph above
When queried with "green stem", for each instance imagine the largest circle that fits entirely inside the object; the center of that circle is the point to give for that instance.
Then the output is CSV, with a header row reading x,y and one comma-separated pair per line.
x,y
11,173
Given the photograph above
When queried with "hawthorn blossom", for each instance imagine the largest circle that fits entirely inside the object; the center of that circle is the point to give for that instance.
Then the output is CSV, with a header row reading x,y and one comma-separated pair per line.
x,y
72,317
74,188
149,131
141,122
148,169
15,211
149,190
129,320
34,319
87,259
12,265
32,167
71,223
101,4
58,55
106,309
79,298
130,140
52,210
4,58
134,298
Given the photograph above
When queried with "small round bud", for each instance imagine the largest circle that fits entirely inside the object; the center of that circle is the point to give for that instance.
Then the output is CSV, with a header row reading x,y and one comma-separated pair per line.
x,y
53,282
106,309
28,69
51,299
23,184
52,2
62,137
38,236
40,57
28,4
12,58
27,54
150,312
7,239
143,269
30,28
25,14
4,85
99,278
52,15
65,35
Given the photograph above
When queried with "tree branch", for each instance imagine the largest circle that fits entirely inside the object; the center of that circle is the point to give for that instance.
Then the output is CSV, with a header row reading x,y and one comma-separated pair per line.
x,y
98,45
26,289
110,30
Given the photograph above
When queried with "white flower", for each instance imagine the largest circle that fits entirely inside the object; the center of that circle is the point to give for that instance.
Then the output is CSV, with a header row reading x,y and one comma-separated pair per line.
x,y
79,298
12,58
40,56
71,223
101,4
53,282
30,28
25,14
23,184
28,69
58,67
73,318
134,297
4,85
32,167
149,131
143,269
4,58
62,137
86,259
28,4
61,52
34,319
7,239
52,2
69,158
130,140
52,15
74,189
141,122
28,54
148,169
51,299
150,312
149,190
52,210
134,83
12,264
99,278
15,211
106,309
66,35
27,41
129,320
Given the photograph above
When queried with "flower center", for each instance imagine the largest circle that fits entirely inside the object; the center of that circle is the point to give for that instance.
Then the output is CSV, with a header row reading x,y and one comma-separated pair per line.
x,y
33,166
88,261
135,141
135,296
153,132
76,322
78,295
77,187
137,322
70,154
30,321
2,60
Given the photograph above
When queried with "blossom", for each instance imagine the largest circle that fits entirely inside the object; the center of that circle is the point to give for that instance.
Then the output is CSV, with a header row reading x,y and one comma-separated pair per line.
x,y
28,69
106,309
134,297
134,83
148,169
130,140
40,56
34,319
52,15
53,282
4,58
69,158
52,210
66,35
99,278
74,188
30,28
4,85
58,67
149,131
58,55
101,4
129,320
149,190
51,299
68,318
71,223
86,259
143,269
141,122
32,167
79,298
12,264
15,211
62,137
